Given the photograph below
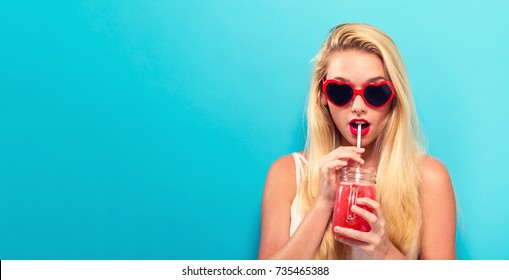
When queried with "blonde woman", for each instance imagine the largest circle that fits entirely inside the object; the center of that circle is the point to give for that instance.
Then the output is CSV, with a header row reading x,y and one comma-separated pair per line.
x,y
359,78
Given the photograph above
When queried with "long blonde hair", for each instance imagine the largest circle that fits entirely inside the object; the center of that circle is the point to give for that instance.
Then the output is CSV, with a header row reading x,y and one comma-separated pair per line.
x,y
398,147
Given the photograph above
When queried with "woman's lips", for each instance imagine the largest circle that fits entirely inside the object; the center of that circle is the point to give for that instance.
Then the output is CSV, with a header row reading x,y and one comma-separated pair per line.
x,y
354,124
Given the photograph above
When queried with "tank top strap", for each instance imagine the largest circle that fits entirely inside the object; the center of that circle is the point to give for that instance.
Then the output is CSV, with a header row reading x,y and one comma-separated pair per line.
x,y
295,211
300,162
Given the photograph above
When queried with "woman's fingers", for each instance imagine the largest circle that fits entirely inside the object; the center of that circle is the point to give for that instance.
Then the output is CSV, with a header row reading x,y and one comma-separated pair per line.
x,y
351,148
365,214
375,205
376,219
353,153
349,242
344,154
339,158
377,211
360,237
334,165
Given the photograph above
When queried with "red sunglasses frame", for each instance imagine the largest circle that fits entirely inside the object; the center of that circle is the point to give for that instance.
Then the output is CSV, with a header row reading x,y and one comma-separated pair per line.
x,y
356,92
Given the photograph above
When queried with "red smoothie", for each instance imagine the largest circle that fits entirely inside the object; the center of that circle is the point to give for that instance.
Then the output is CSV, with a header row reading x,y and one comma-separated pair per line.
x,y
346,196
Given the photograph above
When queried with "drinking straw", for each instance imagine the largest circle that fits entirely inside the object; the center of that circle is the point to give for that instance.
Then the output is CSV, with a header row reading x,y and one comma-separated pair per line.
x,y
359,135
359,126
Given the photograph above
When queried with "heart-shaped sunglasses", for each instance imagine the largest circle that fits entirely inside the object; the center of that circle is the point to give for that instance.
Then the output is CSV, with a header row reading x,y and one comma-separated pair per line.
x,y
342,93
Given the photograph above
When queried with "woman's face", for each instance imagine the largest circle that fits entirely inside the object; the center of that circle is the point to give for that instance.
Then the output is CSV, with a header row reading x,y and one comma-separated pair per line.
x,y
358,68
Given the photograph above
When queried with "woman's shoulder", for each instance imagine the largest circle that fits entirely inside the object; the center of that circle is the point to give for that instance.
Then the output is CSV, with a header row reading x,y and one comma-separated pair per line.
x,y
282,175
285,165
435,174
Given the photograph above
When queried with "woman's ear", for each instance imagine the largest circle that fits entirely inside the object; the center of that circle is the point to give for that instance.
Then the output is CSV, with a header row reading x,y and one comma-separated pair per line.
x,y
323,100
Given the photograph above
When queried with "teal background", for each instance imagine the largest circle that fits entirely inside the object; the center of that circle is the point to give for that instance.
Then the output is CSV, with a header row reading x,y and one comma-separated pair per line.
x,y
144,129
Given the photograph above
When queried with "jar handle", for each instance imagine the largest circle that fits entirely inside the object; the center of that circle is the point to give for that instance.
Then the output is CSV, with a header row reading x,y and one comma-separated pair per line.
x,y
352,200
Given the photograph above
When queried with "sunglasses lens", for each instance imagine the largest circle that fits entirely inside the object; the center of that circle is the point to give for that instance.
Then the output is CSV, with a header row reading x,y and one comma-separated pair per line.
x,y
339,94
378,95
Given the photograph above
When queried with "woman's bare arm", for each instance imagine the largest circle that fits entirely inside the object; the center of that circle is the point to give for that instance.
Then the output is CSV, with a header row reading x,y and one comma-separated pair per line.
x,y
279,192
439,212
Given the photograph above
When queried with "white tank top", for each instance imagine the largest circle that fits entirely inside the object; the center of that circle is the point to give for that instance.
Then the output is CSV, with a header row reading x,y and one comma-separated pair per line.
x,y
295,210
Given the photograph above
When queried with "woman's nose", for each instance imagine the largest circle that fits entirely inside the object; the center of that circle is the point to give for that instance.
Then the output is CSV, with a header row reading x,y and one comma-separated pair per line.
x,y
358,105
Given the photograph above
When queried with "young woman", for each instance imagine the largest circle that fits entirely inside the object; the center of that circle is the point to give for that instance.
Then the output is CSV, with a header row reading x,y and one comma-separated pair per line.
x,y
359,78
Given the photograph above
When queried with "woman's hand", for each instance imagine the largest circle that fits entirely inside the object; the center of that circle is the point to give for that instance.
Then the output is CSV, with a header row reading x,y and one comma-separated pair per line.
x,y
329,165
374,244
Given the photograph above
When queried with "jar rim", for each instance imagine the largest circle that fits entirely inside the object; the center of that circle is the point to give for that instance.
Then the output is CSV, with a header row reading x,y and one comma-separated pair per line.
x,y
357,174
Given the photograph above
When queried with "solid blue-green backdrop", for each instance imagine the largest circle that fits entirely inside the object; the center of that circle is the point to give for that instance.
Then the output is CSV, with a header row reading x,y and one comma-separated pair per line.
x,y
144,129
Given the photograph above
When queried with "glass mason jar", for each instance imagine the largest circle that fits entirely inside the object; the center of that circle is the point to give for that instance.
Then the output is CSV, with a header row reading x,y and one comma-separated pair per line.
x,y
354,182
